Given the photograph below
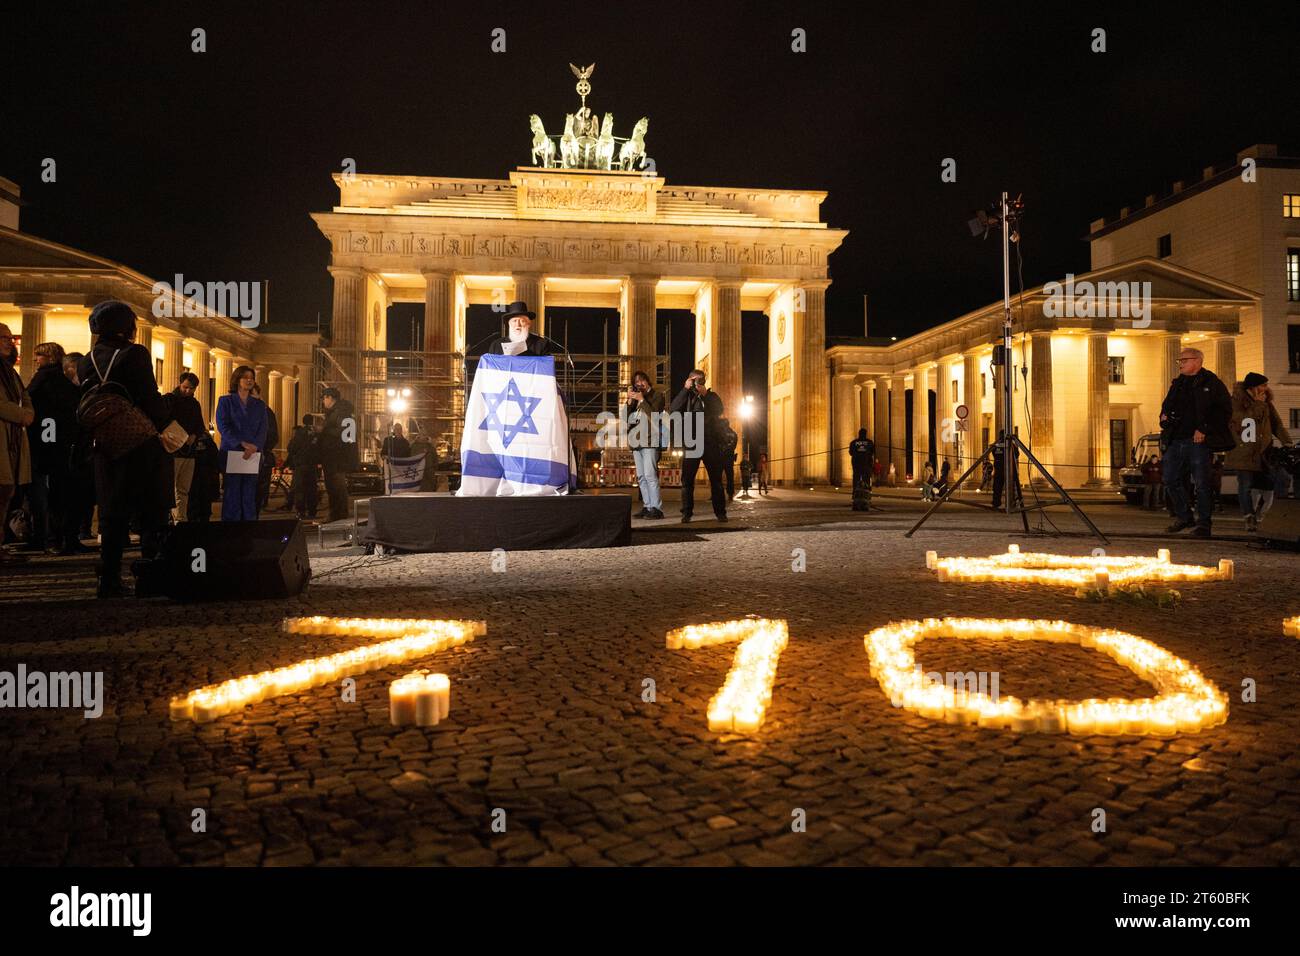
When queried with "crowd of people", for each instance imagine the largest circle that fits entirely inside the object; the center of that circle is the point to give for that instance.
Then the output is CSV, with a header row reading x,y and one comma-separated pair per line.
x,y
93,433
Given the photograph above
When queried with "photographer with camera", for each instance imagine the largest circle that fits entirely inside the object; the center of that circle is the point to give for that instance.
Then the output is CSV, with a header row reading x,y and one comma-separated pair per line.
x,y
645,407
696,398
1255,423
1194,424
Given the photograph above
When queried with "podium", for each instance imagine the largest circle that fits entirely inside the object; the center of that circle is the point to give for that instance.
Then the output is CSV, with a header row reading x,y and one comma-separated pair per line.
x,y
516,437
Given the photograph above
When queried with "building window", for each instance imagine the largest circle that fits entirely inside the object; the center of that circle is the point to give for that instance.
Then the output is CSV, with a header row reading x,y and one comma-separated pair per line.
x,y
984,384
956,400
1165,246
1293,275
1295,418
1115,363
1293,346
1291,206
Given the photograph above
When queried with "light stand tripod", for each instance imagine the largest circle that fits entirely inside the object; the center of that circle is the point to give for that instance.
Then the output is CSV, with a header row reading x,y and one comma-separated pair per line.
x,y
1008,444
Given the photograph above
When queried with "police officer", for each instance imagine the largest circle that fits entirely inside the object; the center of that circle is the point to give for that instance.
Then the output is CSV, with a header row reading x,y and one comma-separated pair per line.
x,y
862,453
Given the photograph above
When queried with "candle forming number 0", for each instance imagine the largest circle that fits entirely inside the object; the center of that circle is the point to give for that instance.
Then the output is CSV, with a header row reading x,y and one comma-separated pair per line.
x,y
405,640
1186,701
741,703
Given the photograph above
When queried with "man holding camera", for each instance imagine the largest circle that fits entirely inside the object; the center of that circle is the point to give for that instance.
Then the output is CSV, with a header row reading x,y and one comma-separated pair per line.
x,y
645,406
1193,425
697,399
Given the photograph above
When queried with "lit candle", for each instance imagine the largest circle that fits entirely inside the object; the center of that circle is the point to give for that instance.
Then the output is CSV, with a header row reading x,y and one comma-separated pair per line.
x,y
1225,569
401,701
1162,555
1102,580
1013,549
931,559
426,702
441,685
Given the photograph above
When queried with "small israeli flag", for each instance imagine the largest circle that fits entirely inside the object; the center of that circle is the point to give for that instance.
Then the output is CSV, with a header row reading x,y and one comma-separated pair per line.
x,y
402,476
516,437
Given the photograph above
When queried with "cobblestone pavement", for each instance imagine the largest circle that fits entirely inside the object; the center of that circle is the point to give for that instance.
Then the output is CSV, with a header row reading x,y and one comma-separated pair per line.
x,y
548,721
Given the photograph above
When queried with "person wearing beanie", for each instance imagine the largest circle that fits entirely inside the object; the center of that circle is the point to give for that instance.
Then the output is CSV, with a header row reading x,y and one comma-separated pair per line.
x,y
138,483
1255,424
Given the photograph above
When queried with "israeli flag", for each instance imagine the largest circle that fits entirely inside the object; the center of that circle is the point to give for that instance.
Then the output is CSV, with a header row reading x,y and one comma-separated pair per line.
x,y
516,437
402,476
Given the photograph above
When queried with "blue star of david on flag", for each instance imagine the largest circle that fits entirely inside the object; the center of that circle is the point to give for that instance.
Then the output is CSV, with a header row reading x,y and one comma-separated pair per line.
x,y
527,405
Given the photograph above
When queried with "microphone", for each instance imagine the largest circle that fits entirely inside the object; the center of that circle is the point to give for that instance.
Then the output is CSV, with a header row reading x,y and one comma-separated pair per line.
x,y
567,357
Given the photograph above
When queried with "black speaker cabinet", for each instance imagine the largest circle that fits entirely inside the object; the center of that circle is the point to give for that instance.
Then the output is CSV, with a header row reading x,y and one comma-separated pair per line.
x,y
1282,523
228,561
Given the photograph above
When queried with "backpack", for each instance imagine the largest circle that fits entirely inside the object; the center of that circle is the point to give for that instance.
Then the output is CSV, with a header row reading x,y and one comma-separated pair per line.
x,y
108,415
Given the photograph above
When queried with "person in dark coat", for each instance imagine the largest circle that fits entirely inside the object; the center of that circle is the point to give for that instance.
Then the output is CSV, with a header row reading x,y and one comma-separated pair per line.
x,y
134,484
518,324
268,458
242,421
188,413
395,445
1194,425
55,507
696,398
302,458
339,450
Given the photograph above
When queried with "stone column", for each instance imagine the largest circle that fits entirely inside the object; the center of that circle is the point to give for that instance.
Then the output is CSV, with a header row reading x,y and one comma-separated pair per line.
x,y
144,335
271,391
1040,398
898,427
724,361
1098,409
921,419
1173,344
288,413
971,398
811,381
33,333
347,327
202,368
173,359
530,288
221,380
1225,360
846,425
439,306
946,413
880,418
638,338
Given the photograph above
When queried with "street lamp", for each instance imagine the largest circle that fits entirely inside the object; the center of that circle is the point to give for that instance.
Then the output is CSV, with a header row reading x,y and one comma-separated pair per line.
x,y
746,414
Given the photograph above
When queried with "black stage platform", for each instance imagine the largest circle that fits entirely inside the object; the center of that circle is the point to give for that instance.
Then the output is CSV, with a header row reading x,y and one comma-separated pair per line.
x,y
443,522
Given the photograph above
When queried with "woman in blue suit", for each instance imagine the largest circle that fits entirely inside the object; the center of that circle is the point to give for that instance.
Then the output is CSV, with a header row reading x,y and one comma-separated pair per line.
x,y
241,420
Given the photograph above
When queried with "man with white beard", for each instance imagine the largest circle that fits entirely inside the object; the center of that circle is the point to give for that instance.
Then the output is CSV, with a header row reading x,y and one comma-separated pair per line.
x,y
518,338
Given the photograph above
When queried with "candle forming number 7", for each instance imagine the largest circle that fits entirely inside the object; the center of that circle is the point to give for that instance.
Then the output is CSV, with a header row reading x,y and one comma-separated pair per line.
x,y
404,640
741,703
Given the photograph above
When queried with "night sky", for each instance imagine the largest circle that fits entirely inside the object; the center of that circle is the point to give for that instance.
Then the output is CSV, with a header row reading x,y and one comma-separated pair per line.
x,y
209,164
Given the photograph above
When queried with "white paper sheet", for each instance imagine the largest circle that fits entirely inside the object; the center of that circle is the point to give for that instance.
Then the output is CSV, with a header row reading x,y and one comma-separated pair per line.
x,y
236,464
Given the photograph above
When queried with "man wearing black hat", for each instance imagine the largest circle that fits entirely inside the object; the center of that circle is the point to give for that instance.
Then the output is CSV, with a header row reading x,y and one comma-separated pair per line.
x,y
517,337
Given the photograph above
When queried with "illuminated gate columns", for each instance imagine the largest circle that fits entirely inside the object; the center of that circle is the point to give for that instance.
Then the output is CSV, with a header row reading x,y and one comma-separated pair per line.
x,y
608,239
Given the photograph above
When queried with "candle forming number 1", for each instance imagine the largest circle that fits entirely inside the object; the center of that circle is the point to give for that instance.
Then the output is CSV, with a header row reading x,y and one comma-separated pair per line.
x,y
741,703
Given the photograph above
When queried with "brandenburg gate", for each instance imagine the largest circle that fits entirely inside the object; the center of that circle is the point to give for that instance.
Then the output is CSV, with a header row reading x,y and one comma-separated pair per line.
x,y
592,224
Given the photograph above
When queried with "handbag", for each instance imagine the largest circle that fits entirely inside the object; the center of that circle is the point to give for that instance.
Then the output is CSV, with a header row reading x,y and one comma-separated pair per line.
x,y
114,422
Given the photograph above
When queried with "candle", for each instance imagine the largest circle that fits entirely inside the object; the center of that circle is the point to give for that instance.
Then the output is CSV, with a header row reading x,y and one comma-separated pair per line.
x,y
1225,569
1291,626
1102,580
1162,555
1013,549
401,701
441,685
426,702
931,558
182,708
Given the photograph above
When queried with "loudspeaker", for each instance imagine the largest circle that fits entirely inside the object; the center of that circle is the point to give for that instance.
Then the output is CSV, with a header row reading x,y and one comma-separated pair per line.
x,y
1282,523
227,561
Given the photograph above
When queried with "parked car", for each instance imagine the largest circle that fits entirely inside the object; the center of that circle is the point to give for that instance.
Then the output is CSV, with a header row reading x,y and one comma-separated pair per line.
x,y
1131,479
